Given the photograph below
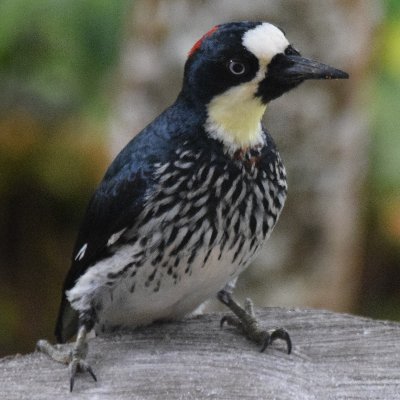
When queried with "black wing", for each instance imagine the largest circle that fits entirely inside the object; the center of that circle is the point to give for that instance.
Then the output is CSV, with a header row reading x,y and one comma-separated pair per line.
x,y
115,205
120,197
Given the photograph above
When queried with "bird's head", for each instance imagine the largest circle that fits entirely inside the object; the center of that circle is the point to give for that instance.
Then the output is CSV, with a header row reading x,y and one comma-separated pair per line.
x,y
235,69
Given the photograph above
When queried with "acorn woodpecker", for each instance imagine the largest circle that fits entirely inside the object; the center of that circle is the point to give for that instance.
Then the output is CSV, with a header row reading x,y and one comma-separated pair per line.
x,y
189,202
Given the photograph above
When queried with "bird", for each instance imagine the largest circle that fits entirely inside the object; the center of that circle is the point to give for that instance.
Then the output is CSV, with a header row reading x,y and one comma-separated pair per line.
x,y
189,202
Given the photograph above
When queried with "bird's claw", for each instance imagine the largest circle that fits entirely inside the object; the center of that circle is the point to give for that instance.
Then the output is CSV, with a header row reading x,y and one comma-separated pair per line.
x,y
274,334
78,365
231,321
73,357
265,337
246,321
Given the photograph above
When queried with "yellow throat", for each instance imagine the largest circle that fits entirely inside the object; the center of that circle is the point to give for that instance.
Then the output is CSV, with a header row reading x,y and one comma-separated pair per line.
x,y
235,117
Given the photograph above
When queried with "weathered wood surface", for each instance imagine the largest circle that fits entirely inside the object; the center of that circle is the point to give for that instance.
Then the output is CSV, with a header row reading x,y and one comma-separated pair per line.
x,y
335,356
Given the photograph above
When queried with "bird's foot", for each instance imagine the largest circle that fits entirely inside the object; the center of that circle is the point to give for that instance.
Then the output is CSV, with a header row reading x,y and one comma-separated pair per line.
x,y
246,321
78,364
61,353
74,356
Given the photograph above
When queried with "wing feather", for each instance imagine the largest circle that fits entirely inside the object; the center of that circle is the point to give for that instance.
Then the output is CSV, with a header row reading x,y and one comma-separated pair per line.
x,y
114,207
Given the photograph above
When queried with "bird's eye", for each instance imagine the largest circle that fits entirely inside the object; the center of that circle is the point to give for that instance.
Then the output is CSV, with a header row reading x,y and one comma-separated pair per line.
x,y
236,67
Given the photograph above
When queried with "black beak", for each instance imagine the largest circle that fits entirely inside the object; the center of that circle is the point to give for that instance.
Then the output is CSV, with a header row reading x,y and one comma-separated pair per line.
x,y
299,69
286,71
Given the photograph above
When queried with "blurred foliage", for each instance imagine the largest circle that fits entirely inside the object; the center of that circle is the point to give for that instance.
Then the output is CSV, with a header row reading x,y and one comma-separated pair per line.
x,y
385,152
57,64
61,50
380,295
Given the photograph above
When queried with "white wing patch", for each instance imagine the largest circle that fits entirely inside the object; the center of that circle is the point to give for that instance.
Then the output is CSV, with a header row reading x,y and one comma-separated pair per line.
x,y
81,252
115,236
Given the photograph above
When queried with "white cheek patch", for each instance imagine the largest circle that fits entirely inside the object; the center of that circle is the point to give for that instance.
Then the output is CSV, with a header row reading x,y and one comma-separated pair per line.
x,y
265,41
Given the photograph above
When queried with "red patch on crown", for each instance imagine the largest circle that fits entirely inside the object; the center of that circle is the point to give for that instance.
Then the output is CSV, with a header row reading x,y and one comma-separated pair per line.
x,y
197,45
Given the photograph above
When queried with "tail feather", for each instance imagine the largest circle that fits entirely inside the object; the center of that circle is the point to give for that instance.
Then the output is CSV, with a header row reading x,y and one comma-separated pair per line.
x,y
67,322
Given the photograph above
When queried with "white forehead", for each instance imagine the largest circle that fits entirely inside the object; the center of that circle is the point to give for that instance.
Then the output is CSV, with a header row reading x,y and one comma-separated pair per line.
x,y
265,41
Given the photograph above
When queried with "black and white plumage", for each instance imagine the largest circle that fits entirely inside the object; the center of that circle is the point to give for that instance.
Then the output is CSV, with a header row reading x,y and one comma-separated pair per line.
x,y
200,220
189,202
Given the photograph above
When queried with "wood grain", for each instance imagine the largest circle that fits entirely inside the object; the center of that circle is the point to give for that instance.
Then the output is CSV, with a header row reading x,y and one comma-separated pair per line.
x,y
335,356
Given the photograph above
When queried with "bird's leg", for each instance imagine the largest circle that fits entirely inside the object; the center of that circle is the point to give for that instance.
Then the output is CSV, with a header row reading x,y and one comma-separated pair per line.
x,y
246,321
79,353
74,358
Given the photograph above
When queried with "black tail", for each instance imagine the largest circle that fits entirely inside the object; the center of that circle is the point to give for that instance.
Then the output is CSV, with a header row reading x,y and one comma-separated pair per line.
x,y
67,321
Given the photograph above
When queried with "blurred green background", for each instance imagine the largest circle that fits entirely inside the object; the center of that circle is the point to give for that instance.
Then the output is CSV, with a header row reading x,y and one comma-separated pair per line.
x,y
58,64
57,61
381,287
